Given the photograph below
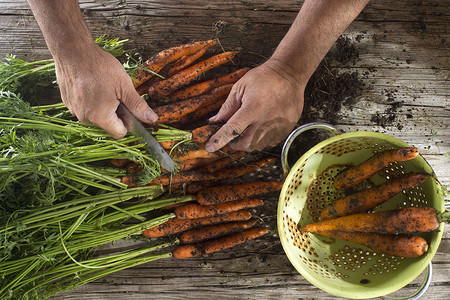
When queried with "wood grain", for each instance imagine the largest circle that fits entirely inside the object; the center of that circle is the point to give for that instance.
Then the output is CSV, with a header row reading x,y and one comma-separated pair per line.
x,y
403,60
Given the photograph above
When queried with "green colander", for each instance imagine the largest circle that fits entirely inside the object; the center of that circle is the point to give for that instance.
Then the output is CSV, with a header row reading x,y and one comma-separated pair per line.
x,y
343,268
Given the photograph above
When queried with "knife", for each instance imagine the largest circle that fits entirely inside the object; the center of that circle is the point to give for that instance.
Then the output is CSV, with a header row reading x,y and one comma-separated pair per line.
x,y
152,146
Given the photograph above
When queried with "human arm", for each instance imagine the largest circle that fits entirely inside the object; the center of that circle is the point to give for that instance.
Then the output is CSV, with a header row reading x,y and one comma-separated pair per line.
x,y
92,82
267,102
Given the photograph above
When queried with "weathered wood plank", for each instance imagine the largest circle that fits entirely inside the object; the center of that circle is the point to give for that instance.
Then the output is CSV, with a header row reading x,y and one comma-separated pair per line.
x,y
403,61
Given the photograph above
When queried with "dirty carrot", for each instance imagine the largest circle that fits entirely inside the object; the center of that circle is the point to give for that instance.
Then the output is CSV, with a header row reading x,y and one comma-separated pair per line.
x,y
184,62
202,134
170,113
225,193
194,210
208,232
197,153
171,84
119,162
369,198
163,58
195,163
201,113
223,162
205,86
217,244
391,244
175,226
194,175
366,169
128,180
133,167
199,135
404,220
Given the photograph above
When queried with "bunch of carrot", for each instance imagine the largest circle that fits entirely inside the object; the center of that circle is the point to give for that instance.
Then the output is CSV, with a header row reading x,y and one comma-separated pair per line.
x,y
218,216
388,231
216,219
170,81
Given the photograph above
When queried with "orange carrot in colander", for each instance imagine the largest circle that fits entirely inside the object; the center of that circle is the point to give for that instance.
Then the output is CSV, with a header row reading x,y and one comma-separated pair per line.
x,y
225,193
366,169
217,244
369,198
390,244
404,220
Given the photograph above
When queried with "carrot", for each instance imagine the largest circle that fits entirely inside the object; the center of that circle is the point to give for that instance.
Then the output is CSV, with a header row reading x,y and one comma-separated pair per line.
x,y
223,162
171,84
369,198
163,58
366,169
201,113
194,175
194,164
185,62
171,113
174,226
128,180
205,86
195,187
208,232
197,153
175,205
404,220
194,210
199,135
119,162
390,244
217,244
133,167
225,193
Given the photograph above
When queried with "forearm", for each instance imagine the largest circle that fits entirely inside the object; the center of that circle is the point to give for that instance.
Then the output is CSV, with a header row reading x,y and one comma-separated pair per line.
x,y
63,27
316,28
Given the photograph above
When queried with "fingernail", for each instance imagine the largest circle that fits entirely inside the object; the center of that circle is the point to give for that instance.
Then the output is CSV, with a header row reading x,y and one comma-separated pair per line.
x,y
150,116
209,147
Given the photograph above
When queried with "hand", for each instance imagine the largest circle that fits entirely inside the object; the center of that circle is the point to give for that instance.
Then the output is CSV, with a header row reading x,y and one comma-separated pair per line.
x,y
261,109
93,84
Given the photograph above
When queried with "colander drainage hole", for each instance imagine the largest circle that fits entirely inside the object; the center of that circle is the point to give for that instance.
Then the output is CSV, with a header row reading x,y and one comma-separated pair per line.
x,y
364,281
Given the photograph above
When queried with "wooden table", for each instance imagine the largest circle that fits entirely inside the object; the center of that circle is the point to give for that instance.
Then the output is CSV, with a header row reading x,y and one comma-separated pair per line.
x,y
403,61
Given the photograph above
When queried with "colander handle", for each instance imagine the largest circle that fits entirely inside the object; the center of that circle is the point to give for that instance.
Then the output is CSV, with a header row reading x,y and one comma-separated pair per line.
x,y
423,288
297,132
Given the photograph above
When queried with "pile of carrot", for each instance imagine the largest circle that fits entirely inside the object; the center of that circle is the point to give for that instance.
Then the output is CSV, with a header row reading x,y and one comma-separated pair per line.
x,y
207,227
391,232
176,86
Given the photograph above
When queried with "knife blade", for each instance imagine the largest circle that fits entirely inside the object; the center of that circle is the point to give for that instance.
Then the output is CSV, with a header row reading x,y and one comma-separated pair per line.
x,y
152,146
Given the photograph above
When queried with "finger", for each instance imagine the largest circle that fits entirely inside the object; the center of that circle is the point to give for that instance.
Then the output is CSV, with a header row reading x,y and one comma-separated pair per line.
x,y
228,108
232,129
138,106
113,125
243,142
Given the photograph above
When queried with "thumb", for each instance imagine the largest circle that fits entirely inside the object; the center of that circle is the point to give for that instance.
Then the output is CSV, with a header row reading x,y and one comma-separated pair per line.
x,y
113,125
139,107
